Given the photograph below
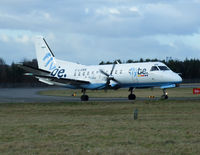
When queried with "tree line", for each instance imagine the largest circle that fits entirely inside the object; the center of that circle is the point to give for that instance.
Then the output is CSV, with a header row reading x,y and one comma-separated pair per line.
x,y
13,76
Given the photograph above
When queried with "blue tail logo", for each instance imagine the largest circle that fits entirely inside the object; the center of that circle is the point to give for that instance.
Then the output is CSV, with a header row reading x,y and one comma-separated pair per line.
x,y
55,72
49,61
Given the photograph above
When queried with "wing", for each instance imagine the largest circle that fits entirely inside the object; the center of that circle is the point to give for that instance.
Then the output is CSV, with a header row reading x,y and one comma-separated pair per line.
x,y
44,76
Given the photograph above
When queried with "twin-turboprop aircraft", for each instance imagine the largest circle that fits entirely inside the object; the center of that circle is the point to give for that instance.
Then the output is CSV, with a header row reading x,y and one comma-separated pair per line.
x,y
71,75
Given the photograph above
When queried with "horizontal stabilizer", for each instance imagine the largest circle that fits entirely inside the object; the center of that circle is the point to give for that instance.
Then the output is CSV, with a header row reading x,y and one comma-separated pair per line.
x,y
33,70
42,74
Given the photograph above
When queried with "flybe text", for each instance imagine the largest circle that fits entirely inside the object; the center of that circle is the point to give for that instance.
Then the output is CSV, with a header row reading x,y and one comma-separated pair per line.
x,y
49,62
58,72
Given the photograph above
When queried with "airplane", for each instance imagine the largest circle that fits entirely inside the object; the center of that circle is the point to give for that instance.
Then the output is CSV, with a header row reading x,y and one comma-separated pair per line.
x,y
53,71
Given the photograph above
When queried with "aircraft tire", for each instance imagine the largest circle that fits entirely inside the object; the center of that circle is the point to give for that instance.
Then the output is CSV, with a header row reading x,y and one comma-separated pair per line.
x,y
84,98
131,97
164,97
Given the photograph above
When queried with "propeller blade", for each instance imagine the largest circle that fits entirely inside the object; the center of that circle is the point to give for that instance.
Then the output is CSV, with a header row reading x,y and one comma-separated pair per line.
x,y
104,73
113,67
109,77
115,80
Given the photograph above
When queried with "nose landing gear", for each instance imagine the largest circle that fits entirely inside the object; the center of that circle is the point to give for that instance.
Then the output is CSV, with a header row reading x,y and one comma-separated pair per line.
x,y
131,96
84,97
164,96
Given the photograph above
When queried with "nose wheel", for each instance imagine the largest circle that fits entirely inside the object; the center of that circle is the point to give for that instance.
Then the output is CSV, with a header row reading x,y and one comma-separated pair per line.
x,y
164,96
84,97
131,96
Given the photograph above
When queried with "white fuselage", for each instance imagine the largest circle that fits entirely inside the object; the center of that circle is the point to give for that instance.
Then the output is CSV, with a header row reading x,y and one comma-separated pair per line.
x,y
77,76
128,75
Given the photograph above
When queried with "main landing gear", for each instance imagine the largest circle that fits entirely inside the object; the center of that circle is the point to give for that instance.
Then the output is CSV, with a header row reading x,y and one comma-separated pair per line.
x,y
164,96
84,97
131,96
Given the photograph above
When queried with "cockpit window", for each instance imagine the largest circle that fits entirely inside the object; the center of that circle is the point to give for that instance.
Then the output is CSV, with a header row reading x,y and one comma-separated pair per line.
x,y
163,68
154,68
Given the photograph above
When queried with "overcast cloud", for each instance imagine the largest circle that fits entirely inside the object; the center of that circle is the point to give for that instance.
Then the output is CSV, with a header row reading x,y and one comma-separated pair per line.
x,y
93,30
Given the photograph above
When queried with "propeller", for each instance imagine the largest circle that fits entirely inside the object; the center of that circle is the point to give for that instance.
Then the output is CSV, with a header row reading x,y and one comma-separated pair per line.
x,y
109,76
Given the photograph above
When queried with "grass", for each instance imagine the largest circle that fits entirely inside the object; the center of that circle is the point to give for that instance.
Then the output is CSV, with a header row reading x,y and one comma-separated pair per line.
x,y
163,127
174,92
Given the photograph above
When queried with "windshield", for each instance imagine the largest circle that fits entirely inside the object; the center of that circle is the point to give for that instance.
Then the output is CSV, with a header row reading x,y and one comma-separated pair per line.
x,y
163,68
154,68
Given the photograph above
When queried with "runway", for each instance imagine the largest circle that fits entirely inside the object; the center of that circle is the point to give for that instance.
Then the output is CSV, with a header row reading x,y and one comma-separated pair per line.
x,y
30,95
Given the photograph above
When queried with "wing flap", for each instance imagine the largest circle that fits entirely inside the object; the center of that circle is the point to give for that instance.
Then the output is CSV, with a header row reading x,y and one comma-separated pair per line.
x,y
64,80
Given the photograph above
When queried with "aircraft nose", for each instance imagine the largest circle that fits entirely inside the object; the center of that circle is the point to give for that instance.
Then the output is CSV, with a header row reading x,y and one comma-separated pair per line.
x,y
177,78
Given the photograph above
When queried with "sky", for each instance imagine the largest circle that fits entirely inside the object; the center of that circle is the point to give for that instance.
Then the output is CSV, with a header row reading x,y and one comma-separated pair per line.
x,y
89,31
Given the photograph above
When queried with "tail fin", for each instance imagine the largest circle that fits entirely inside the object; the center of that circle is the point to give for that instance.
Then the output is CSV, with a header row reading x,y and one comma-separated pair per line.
x,y
45,57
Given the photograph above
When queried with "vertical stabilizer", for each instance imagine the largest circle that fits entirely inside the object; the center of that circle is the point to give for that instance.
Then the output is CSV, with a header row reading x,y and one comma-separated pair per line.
x,y
45,56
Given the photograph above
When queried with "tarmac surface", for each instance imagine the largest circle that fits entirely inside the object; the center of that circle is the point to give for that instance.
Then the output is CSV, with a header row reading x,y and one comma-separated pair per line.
x,y
30,95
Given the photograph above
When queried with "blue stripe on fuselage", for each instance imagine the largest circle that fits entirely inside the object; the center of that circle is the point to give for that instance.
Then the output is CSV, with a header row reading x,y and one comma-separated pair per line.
x,y
128,85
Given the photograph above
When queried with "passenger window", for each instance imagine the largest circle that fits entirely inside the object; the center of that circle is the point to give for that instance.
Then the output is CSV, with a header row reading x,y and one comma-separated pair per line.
x,y
154,68
74,73
79,73
116,72
120,71
88,73
83,73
